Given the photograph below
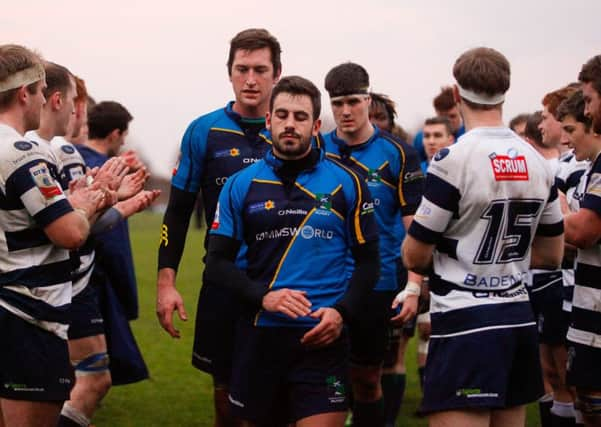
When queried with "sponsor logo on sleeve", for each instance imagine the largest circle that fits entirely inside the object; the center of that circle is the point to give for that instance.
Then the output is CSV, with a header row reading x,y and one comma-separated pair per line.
x,y
509,167
23,145
44,181
442,154
413,176
67,149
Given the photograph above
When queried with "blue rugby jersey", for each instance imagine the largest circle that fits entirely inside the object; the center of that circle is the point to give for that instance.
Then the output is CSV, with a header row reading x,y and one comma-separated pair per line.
x,y
213,148
35,275
485,199
392,172
298,236
585,327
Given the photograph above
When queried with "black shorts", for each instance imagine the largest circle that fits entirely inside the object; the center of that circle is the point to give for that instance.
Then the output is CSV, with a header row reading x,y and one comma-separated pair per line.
x,y
369,335
491,369
34,363
86,319
216,318
547,305
584,366
276,380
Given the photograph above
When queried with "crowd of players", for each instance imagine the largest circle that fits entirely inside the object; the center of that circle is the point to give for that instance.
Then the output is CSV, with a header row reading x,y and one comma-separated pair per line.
x,y
321,249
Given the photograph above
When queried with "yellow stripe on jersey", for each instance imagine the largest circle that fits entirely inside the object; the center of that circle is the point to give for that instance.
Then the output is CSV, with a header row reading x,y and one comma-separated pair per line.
x,y
237,132
266,181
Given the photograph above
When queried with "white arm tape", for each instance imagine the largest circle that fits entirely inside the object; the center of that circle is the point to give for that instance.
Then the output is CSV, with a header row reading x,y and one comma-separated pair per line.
x,y
411,288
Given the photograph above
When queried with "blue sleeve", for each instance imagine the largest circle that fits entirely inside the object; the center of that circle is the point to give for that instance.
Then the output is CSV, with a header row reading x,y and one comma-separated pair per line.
x,y
411,181
230,208
189,170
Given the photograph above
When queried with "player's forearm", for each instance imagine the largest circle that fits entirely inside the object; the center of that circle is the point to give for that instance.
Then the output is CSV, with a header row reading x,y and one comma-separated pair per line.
x,y
174,228
221,269
365,276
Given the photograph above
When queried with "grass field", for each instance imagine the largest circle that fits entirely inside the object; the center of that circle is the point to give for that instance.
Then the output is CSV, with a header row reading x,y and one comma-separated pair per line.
x,y
177,394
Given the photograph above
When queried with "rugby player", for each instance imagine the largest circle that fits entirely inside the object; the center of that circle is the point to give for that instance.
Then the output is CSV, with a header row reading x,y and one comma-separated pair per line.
x,y
490,211
391,170
215,146
299,214
39,226
444,105
518,124
583,229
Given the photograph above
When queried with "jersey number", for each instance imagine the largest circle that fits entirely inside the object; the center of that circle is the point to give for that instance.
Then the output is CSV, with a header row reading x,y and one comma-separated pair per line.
x,y
509,230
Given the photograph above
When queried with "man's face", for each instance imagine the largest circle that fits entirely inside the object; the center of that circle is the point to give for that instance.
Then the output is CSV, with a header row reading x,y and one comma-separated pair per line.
x,y
292,126
252,78
77,122
67,109
33,110
550,129
592,105
379,117
436,137
578,139
453,116
116,142
351,113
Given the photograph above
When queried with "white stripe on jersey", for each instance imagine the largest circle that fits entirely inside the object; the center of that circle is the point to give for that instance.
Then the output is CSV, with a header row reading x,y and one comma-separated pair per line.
x,y
587,298
584,337
487,328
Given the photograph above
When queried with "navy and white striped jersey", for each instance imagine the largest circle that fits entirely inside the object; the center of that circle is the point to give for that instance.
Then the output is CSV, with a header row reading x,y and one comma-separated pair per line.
x,y
586,305
35,279
485,199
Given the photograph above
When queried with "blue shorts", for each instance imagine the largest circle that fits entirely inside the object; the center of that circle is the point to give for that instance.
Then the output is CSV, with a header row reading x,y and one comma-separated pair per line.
x,y
86,319
216,318
273,370
370,334
546,297
584,366
34,363
491,369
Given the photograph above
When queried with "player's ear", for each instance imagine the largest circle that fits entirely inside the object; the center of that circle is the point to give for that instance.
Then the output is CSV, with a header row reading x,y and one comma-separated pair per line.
x,y
316,127
268,121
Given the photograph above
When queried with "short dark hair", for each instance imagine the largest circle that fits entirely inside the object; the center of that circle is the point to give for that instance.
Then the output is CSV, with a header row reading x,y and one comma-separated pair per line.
x,y
440,120
532,130
15,58
58,78
591,73
254,39
346,79
445,100
482,70
296,85
520,118
107,116
574,106
552,99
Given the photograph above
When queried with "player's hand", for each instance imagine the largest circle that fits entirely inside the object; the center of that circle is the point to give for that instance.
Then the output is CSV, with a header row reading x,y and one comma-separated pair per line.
x,y
168,301
291,303
137,203
132,160
133,183
408,309
88,199
326,331
111,173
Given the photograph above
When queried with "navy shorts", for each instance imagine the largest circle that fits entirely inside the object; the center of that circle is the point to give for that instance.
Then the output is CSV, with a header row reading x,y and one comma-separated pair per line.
x,y
546,297
86,319
216,318
273,370
491,369
369,334
584,366
34,363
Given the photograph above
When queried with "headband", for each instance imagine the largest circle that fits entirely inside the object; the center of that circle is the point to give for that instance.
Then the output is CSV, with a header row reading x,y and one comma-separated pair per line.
x,y
23,78
480,98
353,92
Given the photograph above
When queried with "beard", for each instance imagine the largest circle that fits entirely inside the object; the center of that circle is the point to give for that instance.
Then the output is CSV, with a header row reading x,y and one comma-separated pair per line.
x,y
293,148
597,121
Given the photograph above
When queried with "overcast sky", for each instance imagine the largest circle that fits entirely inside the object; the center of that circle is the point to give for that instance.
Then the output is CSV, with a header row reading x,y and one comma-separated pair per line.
x,y
165,61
